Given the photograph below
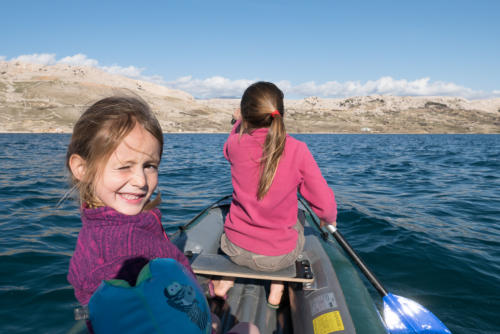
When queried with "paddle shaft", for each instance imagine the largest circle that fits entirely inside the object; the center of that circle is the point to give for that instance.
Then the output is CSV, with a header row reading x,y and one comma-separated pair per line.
x,y
362,266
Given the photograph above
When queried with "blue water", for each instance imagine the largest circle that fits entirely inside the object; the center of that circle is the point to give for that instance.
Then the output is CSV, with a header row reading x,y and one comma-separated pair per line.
x,y
422,210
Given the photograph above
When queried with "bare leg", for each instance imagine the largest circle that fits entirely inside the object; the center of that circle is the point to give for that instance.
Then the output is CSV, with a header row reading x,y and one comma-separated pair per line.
x,y
275,293
222,286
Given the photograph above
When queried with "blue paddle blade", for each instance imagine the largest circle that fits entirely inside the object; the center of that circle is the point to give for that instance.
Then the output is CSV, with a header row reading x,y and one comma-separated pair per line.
x,y
404,316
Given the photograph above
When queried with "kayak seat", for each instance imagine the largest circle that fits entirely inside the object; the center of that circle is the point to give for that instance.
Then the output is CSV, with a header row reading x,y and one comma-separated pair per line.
x,y
221,265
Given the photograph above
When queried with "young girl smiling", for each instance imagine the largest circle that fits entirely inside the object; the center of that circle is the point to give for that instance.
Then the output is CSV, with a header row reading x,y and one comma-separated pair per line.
x,y
113,158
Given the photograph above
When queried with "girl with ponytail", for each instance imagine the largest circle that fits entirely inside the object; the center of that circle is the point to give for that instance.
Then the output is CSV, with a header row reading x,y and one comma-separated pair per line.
x,y
268,167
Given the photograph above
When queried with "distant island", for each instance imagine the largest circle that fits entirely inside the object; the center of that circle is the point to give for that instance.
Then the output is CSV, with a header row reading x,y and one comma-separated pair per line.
x,y
49,99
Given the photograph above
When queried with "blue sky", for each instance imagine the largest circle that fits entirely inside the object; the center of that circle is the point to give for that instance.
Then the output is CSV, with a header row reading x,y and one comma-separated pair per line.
x,y
322,48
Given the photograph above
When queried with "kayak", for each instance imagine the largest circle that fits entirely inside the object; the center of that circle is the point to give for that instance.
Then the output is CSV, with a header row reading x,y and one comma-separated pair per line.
x,y
329,297
323,291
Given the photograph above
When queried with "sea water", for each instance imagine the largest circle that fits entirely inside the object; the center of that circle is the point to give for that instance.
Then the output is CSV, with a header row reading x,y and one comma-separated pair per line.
x,y
423,211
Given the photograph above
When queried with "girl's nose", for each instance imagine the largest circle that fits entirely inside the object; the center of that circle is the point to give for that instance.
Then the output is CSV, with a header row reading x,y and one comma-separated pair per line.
x,y
139,178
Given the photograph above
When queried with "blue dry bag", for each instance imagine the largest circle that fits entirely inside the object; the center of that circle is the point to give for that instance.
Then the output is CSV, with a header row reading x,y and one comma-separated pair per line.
x,y
165,299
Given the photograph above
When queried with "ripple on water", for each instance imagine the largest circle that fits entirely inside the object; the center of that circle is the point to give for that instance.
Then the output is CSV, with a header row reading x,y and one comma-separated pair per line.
x,y
422,211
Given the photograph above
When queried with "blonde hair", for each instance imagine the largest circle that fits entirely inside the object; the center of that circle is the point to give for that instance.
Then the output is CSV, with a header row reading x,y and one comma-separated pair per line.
x,y
100,130
259,104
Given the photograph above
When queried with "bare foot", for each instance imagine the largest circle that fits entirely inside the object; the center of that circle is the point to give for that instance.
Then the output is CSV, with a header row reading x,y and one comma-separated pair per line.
x,y
216,328
222,287
275,293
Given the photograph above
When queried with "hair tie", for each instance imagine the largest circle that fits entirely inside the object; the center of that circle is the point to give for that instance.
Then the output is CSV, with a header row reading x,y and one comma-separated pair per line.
x,y
275,113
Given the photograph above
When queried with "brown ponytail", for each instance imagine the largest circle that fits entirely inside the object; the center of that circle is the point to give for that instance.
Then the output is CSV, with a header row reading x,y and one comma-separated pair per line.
x,y
258,106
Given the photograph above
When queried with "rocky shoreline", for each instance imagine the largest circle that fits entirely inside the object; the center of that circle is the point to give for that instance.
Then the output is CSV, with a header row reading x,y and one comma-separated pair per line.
x,y
49,99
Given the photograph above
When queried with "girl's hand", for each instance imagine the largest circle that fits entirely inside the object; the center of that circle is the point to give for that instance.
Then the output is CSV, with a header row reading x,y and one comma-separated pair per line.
x,y
323,223
237,114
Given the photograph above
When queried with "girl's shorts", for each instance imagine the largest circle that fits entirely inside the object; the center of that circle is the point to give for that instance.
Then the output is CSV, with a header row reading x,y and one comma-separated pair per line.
x,y
263,262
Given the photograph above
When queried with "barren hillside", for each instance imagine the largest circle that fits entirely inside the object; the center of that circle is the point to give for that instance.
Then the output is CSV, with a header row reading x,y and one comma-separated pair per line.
x,y
37,98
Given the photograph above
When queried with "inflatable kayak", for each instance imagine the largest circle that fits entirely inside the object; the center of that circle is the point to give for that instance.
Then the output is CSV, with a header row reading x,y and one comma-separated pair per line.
x,y
324,291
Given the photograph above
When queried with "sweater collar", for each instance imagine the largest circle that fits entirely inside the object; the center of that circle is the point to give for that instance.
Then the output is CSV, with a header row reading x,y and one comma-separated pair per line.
x,y
106,215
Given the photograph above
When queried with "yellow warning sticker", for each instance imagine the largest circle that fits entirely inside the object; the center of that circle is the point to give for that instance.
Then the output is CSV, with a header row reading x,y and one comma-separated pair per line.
x,y
328,323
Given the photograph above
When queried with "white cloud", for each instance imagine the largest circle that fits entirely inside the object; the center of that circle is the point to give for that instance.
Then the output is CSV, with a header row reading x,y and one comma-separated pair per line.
x,y
386,86
223,87
218,86
79,60
82,60
42,59
210,87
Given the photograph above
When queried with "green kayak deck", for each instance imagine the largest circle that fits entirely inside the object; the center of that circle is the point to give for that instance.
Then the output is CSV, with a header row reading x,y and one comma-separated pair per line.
x,y
334,300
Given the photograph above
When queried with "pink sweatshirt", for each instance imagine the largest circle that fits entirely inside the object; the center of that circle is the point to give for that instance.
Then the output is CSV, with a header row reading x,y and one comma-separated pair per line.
x,y
266,227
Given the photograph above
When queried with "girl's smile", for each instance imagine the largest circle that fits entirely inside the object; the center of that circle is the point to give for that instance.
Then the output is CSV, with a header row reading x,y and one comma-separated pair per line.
x,y
131,174
131,197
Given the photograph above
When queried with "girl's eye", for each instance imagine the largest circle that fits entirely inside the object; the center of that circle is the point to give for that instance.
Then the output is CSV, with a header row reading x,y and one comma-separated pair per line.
x,y
151,167
123,167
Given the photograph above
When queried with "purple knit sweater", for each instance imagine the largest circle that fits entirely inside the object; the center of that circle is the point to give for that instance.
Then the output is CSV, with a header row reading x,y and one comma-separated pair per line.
x,y
113,245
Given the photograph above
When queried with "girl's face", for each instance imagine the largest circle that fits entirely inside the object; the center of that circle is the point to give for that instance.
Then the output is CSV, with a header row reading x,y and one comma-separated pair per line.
x,y
131,174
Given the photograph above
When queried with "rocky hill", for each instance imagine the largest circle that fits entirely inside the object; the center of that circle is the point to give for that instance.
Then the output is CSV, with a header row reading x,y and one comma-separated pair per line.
x,y
37,98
